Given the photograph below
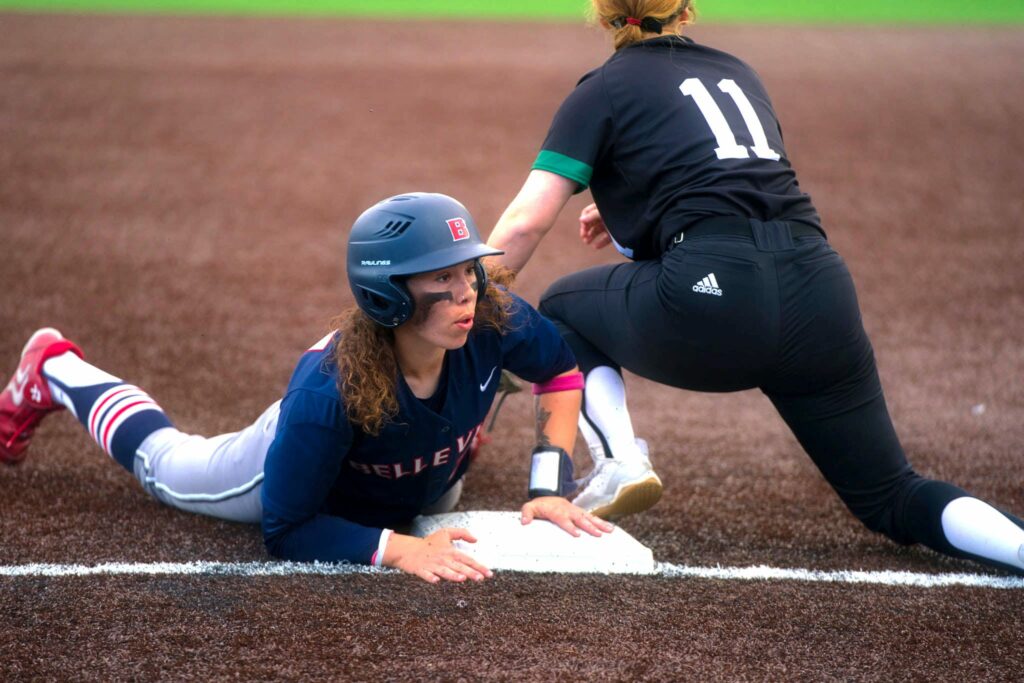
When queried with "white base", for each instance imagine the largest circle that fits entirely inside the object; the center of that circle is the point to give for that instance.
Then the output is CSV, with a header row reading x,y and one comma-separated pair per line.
x,y
503,542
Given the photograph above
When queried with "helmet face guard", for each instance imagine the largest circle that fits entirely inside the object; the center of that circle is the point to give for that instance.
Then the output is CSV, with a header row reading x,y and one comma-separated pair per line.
x,y
403,236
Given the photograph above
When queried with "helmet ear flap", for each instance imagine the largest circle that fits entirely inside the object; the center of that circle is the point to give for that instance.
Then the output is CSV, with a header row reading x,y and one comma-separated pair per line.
x,y
389,304
481,278
406,304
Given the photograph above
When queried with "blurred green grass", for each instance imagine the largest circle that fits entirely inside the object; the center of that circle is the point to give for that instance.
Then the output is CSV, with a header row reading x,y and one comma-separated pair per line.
x,y
779,11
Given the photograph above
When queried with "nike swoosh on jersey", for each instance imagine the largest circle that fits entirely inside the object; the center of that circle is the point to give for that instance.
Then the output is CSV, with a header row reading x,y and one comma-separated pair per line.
x,y
483,386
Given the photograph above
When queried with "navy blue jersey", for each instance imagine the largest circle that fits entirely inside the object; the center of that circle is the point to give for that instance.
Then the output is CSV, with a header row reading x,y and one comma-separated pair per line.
x,y
330,488
667,132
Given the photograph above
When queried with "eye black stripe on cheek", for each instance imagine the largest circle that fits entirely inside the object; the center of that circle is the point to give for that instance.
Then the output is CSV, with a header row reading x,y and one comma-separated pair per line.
x,y
427,302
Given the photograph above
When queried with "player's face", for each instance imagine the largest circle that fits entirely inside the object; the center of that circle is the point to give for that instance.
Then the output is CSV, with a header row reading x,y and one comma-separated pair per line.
x,y
445,304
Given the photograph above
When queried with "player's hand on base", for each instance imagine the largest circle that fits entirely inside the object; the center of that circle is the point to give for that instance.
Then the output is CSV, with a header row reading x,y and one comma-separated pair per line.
x,y
566,515
434,558
593,231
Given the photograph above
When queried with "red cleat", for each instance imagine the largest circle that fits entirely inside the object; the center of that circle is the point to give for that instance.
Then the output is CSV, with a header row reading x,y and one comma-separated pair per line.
x,y
26,400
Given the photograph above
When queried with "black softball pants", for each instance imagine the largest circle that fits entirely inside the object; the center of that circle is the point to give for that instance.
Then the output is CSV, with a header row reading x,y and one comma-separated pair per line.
x,y
722,313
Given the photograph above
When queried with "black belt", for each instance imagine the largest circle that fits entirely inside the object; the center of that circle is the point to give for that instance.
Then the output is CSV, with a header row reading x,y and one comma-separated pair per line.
x,y
734,225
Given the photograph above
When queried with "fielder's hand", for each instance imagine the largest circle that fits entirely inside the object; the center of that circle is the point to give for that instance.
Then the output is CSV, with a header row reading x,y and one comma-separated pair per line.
x,y
566,515
434,558
593,231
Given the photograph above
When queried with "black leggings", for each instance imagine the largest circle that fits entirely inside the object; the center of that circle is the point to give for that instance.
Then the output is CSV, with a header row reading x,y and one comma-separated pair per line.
x,y
725,313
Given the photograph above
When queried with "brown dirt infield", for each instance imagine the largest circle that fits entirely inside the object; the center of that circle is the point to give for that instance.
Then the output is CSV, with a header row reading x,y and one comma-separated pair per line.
x,y
173,194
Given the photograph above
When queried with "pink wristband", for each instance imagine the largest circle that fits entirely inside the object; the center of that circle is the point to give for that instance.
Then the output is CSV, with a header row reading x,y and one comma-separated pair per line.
x,y
561,383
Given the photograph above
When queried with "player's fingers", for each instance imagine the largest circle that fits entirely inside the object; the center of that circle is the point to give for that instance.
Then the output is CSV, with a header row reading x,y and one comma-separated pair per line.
x,y
449,574
427,575
472,564
602,241
565,523
588,212
466,570
592,221
591,526
602,524
526,514
461,535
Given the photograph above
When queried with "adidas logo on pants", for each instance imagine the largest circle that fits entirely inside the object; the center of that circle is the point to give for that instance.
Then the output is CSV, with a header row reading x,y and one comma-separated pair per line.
x,y
709,285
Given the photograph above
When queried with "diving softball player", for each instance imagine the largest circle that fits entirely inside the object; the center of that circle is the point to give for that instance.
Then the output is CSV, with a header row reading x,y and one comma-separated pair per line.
x,y
732,283
378,421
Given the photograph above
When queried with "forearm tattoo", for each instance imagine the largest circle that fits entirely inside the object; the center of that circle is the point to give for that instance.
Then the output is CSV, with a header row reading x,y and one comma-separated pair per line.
x,y
542,423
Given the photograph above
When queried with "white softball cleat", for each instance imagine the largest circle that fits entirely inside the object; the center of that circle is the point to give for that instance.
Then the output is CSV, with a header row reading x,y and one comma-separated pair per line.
x,y
618,487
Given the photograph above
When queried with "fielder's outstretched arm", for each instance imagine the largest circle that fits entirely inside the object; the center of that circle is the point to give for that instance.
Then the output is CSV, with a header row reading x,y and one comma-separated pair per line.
x,y
529,217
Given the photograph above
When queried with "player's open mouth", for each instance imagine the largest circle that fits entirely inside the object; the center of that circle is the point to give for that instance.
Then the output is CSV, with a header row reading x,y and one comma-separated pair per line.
x,y
465,323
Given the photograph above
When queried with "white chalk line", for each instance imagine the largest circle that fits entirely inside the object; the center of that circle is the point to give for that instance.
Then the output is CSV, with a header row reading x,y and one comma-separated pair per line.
x,y
879,578
247,569
662,570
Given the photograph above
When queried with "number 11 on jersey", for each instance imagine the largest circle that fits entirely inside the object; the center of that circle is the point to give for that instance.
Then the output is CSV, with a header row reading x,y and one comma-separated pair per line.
x,y
728,148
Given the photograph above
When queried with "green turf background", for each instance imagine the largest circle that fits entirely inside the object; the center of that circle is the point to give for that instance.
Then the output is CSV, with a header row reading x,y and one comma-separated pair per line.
x,y
870,11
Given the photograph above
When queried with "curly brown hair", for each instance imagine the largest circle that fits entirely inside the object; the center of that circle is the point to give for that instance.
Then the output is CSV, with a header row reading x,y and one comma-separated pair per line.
x,y
365,354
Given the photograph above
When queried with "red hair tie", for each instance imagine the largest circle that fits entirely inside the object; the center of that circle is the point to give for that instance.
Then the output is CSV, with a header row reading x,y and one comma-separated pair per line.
x,y
647,24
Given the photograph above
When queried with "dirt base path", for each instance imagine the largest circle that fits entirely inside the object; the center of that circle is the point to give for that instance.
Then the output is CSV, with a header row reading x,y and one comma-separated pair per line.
x,y
174,193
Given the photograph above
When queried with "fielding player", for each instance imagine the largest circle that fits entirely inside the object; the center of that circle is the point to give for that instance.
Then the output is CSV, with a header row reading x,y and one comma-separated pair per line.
x,y
732,283
379,418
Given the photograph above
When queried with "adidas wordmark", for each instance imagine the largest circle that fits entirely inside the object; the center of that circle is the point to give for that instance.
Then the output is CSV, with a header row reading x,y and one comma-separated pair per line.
x,y
709,285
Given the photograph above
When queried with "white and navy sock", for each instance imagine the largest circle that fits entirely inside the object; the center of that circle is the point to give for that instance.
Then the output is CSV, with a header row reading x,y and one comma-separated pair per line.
x,y
118,416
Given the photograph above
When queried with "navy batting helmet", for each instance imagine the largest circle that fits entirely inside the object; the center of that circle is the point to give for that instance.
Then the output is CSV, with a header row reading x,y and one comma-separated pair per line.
x,y
404,235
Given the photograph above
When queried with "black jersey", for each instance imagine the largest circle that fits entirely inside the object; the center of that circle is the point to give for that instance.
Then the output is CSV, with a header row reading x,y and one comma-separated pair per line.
x,y
667,132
